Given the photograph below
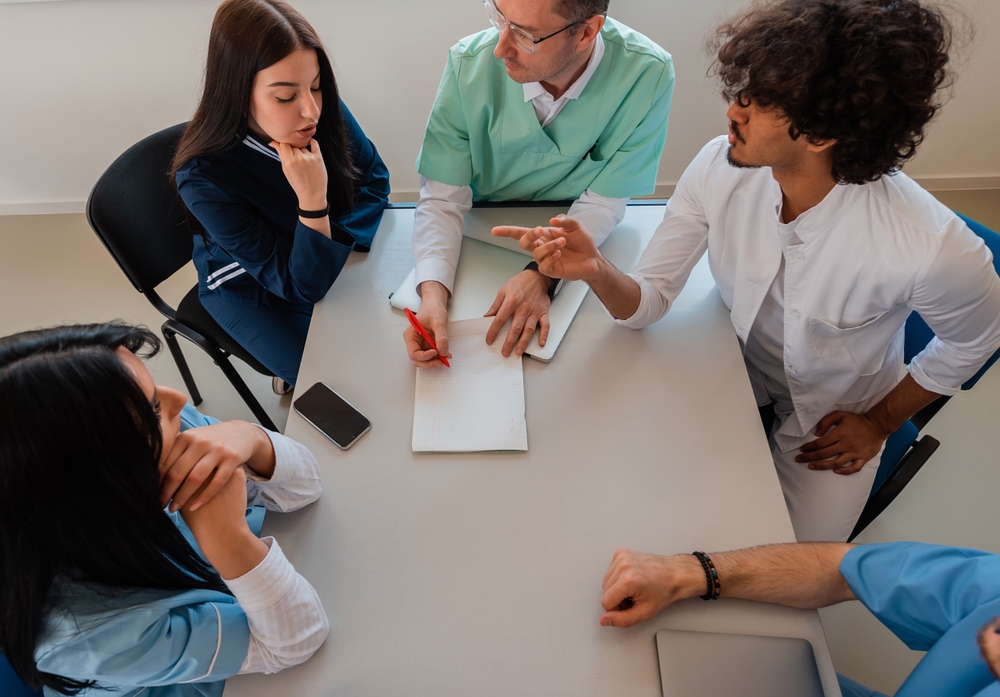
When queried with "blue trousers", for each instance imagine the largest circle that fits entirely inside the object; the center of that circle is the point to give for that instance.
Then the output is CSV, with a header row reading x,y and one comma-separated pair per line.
x,y
274,337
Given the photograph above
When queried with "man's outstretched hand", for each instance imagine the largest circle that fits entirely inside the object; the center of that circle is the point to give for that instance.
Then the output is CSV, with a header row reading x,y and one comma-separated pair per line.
x,y
563,250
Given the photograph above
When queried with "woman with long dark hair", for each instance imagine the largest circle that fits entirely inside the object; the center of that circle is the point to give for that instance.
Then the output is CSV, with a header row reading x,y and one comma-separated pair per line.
x,y
127,563
281,180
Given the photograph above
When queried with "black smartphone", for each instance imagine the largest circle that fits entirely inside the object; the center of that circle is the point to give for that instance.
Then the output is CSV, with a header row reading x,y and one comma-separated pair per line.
x,y
333,415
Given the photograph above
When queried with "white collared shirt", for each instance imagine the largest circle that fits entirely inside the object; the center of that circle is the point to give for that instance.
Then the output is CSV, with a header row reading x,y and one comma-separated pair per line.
x,y
440,214
765,345
547,108
868,255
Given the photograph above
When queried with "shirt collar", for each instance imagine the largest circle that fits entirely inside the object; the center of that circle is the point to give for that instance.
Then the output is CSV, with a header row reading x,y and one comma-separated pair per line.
x,y
533,90
825,214
255,144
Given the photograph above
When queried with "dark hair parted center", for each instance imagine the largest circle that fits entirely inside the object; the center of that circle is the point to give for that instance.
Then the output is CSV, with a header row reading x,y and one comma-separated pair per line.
x,y
247,37
866,73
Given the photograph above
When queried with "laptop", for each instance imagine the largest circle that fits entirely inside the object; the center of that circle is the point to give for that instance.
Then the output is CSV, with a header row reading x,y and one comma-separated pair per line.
x,y
736,665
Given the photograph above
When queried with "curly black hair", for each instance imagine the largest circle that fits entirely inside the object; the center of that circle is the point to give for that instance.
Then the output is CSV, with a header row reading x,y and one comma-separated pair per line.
x,y
866,73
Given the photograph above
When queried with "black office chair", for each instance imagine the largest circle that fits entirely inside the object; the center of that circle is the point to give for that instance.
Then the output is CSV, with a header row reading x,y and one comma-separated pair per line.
x,y
140,218
904,455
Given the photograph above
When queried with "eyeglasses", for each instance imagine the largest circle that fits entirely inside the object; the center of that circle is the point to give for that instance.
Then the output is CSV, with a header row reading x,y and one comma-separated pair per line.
x,y
522,39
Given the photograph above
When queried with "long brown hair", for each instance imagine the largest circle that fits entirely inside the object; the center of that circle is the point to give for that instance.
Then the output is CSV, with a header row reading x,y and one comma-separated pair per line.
x,y
247,37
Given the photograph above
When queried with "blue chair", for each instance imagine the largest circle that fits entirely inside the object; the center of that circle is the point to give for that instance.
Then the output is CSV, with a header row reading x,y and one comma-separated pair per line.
x,y
10,684
904,455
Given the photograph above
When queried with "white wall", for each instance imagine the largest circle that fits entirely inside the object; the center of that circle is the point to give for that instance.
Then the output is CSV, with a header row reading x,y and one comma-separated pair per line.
x,y
81,80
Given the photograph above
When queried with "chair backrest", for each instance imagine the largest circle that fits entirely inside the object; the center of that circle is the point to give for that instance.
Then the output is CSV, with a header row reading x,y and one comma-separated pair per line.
x,y
138,214
918,334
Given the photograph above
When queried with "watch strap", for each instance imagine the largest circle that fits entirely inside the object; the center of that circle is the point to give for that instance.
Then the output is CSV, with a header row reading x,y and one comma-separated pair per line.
x,y
554,283
314,214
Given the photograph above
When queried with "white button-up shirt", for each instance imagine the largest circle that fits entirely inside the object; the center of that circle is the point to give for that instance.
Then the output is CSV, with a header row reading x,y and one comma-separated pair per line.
x,y
868,255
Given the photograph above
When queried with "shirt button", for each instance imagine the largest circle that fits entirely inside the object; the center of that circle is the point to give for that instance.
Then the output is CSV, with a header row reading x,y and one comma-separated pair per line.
x,y
810,411
795,314
798,256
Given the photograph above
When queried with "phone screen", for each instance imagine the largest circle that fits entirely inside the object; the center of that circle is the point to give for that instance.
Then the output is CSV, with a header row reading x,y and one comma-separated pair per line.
x,y
332,414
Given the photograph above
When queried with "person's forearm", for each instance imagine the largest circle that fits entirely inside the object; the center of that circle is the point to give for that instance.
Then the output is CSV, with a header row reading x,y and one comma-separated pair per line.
x,y
905,400
434,292
233,553
315,203
619,293
804,575
261,459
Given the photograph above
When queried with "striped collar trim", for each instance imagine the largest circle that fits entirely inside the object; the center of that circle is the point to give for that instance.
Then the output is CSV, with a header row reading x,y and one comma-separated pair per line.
x,y
255,144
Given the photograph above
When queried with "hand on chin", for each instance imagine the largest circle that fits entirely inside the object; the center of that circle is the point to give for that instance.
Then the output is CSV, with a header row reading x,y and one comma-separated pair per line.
x,y
295,140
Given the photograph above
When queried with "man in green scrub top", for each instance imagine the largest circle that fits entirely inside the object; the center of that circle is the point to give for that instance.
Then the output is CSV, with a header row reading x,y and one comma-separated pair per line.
x,y
556,102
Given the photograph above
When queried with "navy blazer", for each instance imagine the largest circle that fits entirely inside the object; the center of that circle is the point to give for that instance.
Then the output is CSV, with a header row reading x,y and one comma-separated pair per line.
x,y
253,250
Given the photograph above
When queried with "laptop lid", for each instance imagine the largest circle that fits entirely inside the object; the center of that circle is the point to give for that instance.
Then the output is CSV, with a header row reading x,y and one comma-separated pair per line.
x,y
486,264
737,665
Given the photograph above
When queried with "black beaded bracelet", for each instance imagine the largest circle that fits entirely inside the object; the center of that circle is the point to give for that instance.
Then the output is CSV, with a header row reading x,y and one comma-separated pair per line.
x,y
711,577
314,214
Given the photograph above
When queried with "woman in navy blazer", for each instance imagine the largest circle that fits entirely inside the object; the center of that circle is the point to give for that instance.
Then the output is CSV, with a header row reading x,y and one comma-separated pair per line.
x,y
280,179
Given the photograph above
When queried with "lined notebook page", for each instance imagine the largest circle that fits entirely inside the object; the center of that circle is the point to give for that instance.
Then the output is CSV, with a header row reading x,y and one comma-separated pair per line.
x,y
478,403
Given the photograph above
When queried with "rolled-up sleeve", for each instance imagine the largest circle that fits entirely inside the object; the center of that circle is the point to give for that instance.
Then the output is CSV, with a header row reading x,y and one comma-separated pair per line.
x,y
295,481
959,297
286,618
677,245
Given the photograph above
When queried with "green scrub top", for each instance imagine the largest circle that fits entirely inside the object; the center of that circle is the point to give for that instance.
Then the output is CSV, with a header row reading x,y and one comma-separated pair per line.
x,y
481,133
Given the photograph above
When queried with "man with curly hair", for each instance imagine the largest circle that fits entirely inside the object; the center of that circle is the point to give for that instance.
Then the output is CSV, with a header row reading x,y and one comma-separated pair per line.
x,y
820,246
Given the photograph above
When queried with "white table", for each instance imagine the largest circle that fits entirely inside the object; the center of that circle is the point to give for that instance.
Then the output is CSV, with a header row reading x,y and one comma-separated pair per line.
x,y
480,574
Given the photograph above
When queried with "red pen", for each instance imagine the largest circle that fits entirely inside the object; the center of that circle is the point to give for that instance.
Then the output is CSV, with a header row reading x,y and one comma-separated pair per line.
x,y
423,332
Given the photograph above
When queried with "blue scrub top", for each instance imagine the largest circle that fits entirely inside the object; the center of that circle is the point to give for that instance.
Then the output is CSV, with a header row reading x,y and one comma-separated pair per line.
x,y
160,643
935,599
